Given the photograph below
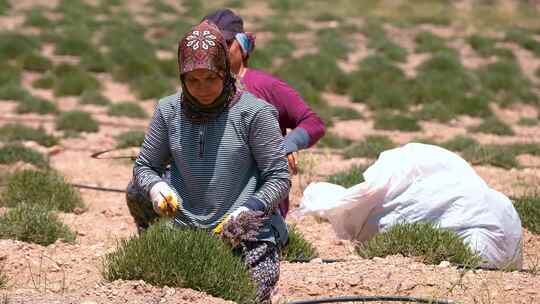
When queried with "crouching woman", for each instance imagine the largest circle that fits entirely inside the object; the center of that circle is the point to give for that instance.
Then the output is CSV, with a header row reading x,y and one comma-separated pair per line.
x,y
226,156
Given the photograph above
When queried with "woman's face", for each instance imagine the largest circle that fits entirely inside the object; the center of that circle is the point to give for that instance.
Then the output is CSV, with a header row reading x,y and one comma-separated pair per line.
x,y
203,84
235,56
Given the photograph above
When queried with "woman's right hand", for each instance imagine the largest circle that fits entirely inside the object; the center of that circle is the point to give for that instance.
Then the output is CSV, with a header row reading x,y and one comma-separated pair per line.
x,y
293,163
164,199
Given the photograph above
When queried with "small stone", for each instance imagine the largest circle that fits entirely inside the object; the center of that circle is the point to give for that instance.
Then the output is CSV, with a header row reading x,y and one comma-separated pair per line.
x,y
78,211
88,302
444,264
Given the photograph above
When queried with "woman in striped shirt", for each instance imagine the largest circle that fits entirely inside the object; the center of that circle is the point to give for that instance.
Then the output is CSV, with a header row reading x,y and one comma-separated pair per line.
x,y
225,151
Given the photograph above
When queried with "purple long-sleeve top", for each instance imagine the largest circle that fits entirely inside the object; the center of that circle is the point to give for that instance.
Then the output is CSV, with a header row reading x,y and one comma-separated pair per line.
x,y
293,113
307,127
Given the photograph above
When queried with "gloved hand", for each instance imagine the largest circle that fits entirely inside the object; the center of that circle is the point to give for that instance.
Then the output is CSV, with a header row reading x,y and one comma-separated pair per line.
x,y
235,213
293,163
164,199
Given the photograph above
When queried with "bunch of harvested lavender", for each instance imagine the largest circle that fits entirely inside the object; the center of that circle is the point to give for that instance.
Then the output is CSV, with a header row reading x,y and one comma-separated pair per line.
x,y
243,227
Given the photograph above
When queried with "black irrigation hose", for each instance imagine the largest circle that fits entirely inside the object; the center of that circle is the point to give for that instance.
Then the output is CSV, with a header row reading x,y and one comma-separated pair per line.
x,y
324,261
87,187
372,299
491,268
96,188
98,155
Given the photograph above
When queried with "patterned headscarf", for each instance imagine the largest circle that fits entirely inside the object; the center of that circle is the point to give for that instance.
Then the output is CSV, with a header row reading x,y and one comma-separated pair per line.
x,y
203,47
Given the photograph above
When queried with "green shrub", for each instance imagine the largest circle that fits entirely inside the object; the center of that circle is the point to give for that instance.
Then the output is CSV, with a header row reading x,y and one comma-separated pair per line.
x,y
45,82
524,148
9,74
330,140
424,240
76,12
128,139
523,38
424,140
492,125
194,8
427,42
32,104
3,277
349,178
506,82
169,68
13,91
13,153
261,59
35,62
161,7
475,105
35,17
94,61
33,224
280,46
498,156
73,80
443,79
437,110
4,6
484,46
165,255
333,43
128,109
422,12
298,248
528,208
345,113
44,188
387,121
371,147
74,40
15,132
76,121
386,47
285,6
459,143
132,55
13,45
152,86
380,84
318,72
169,40
235,3
94,97
528,122
537,72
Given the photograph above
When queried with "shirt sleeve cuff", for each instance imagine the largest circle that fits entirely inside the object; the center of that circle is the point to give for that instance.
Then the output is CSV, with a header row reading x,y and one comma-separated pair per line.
x,y
255,204
295,140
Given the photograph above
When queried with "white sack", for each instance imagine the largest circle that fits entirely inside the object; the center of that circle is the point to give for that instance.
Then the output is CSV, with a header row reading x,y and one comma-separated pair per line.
x,y
419,182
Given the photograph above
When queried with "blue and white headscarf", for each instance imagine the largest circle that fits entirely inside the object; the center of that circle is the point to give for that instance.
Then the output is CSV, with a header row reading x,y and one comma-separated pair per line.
x,y
247,43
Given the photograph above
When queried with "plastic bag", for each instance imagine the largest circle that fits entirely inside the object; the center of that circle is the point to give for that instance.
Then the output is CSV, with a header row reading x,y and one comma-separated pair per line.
x,y
419,182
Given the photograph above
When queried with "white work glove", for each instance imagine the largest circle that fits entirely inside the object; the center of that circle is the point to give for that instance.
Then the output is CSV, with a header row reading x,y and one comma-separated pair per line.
x,y
164,199
235,213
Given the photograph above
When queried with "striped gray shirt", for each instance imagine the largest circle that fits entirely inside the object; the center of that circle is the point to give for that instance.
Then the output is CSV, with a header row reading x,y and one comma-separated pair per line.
x,y
217,166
